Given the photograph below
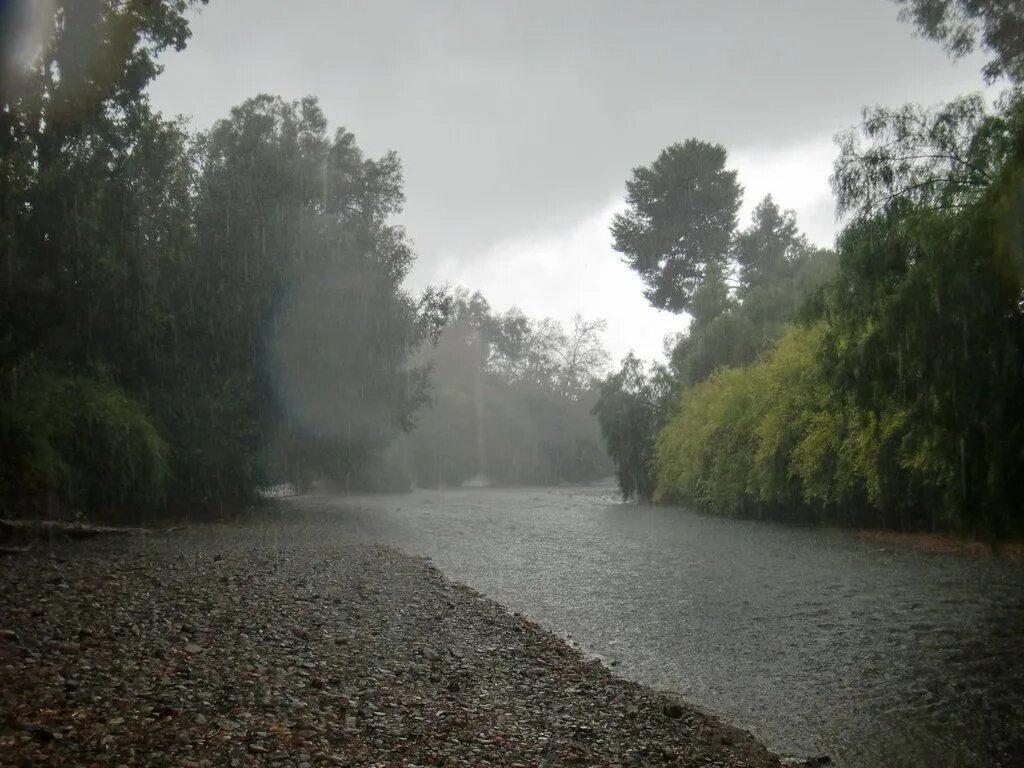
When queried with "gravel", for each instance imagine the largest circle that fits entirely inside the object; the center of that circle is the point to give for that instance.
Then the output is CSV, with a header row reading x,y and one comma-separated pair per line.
x,y
283,644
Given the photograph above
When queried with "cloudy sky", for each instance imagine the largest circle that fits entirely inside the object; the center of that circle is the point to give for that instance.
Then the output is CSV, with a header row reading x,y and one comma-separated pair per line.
x,y
518,121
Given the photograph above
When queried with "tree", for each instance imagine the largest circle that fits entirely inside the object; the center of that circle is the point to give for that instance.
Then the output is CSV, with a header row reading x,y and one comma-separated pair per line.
x,y
924,323
298,310
678,226
222,311
580,355
95,211
925,320
942,159
510,400
680,234
627,411
964,25
94,190
900,406
778,269
771,244
704,454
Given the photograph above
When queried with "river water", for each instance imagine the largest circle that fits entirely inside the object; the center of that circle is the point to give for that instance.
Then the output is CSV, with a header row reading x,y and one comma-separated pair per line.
x,y
817,641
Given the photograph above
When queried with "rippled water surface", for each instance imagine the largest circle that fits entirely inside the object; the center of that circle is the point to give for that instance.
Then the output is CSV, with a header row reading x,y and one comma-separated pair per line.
x,y
817,641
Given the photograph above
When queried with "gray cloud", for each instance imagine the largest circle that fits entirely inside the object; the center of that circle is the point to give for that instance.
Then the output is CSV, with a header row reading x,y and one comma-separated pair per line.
x,y
523,119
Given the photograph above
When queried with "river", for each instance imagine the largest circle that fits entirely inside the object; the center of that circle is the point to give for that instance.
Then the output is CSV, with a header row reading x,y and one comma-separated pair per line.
x,y
817,641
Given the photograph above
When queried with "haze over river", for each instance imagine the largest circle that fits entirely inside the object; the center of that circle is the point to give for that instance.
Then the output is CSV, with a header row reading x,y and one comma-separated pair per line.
x,y
816,640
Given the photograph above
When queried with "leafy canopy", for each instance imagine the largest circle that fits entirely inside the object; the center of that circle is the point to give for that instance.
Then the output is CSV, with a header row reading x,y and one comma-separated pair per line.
x,y
962,26
678,226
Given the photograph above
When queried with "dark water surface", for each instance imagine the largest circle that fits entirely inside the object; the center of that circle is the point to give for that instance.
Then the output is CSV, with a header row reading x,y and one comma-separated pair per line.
x,y
817,641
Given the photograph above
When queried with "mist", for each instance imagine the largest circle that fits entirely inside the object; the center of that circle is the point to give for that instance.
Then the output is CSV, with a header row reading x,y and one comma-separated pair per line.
x,y
513,384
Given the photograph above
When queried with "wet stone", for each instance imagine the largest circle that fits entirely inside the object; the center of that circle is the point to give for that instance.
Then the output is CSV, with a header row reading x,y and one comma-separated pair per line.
x,y
381,662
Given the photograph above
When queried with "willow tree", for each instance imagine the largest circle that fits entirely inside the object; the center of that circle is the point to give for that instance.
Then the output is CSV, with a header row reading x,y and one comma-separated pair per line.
x,y
963,26
925,319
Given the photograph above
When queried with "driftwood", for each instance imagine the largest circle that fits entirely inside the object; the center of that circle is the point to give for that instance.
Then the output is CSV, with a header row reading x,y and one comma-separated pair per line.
x,y
45,529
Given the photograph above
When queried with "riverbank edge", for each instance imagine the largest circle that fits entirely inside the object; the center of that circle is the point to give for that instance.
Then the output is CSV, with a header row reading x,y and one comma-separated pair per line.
x,y
1010,551
943,544
52,642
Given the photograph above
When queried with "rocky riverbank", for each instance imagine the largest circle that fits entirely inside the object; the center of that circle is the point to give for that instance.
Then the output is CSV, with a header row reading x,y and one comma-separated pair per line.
x,y
281,644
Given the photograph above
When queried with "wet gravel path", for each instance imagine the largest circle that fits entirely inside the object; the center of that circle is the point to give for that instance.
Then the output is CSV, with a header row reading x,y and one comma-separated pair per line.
x,y
284,644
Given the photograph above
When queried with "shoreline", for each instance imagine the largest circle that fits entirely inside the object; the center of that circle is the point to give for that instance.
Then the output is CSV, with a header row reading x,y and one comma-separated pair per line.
x,y
943,544
285,645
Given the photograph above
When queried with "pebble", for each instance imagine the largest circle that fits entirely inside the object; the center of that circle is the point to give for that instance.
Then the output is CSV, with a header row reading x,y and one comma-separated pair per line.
x,y
314,651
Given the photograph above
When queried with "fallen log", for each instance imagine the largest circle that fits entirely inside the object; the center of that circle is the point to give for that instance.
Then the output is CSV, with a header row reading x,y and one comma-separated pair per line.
x,y
45,529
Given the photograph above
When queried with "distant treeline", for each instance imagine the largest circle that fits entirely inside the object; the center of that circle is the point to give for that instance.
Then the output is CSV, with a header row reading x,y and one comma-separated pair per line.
x,y
881,384
510,403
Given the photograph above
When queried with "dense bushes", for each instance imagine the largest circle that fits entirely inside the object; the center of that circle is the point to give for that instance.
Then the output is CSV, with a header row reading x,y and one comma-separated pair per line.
x,y
767,439
80,443
720,449
898,402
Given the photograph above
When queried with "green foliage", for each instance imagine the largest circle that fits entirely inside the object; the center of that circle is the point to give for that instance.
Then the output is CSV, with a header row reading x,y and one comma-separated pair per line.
x,y
297,306
677,230
628,412
964,25
730,339
793,403
243,287
79,442
680,234
704,454
925,320
773,439
94,218
777,270
898,402
943,159
771,243
748,439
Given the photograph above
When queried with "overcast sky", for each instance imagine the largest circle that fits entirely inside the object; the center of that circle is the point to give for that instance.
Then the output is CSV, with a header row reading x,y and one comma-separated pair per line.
x,y
518,122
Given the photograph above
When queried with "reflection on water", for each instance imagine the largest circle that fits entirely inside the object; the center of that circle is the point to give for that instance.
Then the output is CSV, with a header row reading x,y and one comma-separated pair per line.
x,y
815,640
